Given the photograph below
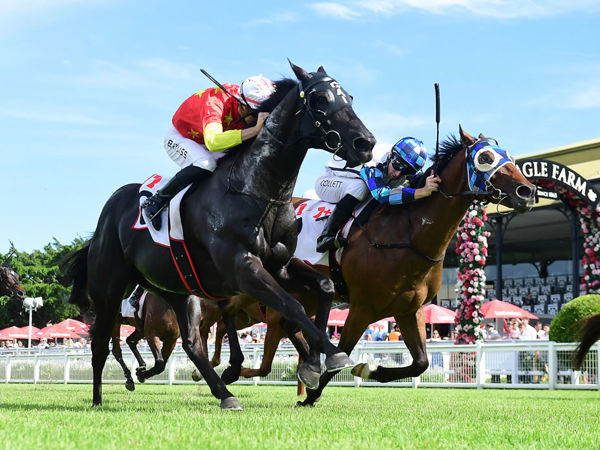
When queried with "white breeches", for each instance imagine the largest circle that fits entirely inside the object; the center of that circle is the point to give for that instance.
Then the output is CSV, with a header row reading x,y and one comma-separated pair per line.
x,y
186,152
332,188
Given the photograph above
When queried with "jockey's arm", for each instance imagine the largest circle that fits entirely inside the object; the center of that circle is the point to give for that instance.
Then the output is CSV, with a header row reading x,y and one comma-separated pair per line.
x,y
217,140
383,193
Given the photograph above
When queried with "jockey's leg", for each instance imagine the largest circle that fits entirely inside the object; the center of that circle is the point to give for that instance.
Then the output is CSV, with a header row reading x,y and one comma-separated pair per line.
x,y
330,238
155,204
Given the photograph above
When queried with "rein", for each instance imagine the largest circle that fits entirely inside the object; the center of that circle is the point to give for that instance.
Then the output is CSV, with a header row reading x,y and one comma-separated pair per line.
x,y
408,245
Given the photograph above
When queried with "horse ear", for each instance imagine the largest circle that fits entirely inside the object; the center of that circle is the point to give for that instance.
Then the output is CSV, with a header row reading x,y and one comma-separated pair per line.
x,y
321,69
301,74
481,136
465,137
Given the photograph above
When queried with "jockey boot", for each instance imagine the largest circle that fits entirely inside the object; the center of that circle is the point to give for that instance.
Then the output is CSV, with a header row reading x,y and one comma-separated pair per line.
x,y
330,238
134,300
155,204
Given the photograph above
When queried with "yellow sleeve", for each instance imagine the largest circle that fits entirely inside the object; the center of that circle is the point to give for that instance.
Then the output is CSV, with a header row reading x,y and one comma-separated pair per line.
x,y
217,140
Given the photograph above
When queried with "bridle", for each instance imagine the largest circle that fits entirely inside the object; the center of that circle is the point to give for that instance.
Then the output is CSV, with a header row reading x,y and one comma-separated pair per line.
x,y
338,99
478,173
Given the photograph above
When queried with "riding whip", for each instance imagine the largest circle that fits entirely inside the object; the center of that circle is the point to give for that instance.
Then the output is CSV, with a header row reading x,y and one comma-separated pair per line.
x,y
437,121
219,85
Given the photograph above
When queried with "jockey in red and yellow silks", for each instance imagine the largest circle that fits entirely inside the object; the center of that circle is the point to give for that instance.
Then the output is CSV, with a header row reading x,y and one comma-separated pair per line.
x,y
205,126
210,117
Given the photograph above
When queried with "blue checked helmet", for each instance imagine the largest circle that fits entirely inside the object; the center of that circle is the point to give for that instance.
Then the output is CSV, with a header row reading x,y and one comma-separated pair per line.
x,y
409,155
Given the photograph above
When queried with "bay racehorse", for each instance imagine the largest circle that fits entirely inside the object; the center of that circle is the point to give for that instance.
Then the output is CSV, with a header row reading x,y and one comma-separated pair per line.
x,y
10,285
589,335
160,330
392,265
240,232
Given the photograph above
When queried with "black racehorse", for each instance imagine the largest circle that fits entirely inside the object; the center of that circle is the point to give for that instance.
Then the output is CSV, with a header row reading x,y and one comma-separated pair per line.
x,y
240,231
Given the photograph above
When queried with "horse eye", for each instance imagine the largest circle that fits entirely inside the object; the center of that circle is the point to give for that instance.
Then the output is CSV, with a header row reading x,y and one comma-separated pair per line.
x,y
485,158
321,100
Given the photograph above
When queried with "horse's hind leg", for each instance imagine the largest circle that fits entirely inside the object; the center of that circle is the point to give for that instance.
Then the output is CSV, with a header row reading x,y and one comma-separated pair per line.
x,y
187,310
159,359
118,354
102,332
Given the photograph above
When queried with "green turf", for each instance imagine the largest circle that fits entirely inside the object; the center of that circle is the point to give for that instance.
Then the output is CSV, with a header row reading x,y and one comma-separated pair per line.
x,y
180,417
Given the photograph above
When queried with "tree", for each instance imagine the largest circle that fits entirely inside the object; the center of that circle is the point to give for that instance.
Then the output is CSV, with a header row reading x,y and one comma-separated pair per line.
x,y
38,272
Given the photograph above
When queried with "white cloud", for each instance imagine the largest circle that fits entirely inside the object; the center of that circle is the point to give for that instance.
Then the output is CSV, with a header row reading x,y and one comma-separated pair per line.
x,y
585,99
335,10
502,9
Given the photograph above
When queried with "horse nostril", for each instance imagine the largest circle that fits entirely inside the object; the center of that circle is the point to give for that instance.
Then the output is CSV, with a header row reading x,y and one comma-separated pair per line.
x,y
362,144
525,192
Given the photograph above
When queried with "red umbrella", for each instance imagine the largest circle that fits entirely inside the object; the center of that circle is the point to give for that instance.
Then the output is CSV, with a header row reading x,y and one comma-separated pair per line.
x,y
59,330
34,330
497,309
74,325
126,331
438,314
13,333
337,317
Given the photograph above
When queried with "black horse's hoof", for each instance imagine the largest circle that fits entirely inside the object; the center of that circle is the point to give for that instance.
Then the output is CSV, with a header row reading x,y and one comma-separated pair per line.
x,y
231,404
362,370
130,385
309,376
304,404
338,361
196,376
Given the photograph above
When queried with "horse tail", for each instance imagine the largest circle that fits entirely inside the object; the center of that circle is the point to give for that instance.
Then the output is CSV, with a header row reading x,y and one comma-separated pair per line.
x,y
74,269
590,334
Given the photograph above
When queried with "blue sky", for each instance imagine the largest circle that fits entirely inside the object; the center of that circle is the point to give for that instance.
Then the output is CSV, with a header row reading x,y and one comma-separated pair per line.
x,y
88,87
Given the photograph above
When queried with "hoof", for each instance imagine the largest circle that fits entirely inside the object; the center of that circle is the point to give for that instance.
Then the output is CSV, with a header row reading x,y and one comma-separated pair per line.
x,y
231,404
196,376
309,377
338,361
130,385
363,371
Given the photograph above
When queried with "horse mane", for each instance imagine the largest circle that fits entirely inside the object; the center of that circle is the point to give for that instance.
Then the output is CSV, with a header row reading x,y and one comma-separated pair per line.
x,y
448,150
282,87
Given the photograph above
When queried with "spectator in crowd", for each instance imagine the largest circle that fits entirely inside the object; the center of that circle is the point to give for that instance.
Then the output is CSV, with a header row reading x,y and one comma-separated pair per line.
x,y
435,336
2,345
492,333
512,331
380,335
43,343
395,333
544,333
526,331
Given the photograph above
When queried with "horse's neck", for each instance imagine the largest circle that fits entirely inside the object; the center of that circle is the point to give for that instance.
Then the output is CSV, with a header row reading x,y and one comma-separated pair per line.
x,y
270,166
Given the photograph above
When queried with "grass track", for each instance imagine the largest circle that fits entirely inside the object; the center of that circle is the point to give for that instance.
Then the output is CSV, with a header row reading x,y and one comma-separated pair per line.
x,y
181,417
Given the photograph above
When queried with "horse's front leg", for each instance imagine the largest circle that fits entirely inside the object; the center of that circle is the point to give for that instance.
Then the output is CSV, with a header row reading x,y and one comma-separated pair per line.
x,y
236,357
300,277
356,323
413,332
188,312
255,281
